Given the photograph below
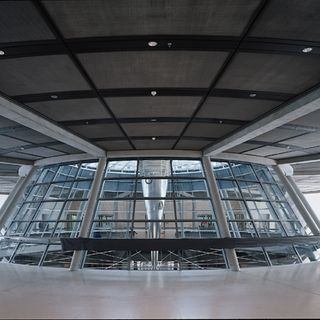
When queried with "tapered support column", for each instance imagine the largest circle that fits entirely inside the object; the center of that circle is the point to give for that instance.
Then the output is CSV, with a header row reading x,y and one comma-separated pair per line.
x,y
304,201
15,195
219,212
89,213
297,201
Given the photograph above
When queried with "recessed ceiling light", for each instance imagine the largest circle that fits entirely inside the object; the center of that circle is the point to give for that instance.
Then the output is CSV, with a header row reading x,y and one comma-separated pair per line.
x,y
220,121
87,122
152,43
54,96
169,44
153,120
153,93
307,50
153,138
252,95
1,53
21,148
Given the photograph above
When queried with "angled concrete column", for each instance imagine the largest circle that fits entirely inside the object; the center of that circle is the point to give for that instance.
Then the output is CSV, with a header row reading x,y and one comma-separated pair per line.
x,y
89,213
297,201
304,201
15,195
219,212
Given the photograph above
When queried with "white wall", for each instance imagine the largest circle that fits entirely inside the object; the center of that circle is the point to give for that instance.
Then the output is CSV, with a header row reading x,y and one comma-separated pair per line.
x,y
314,201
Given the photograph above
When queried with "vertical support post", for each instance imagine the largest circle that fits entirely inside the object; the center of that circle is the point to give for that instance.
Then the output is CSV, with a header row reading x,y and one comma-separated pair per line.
x,y
14,197
304,201
89,213
296,200
219,211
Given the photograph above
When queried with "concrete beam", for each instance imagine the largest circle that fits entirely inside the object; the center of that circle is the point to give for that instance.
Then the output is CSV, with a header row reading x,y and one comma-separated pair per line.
x,y
246,158
62,159
17,112
286,113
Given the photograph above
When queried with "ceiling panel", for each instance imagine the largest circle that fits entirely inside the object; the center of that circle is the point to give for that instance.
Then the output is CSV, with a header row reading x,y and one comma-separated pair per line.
x,y
272,72
152,69
290,154
98,130
233,108
191,144
126,17
6,142
158,106
153,145
278,134
42,152
6,123
30,136
266,151
19,21
243,147
153,129
310,120
66,148
39,74
305,141
19,155
209,130
289,19
114,145
66,110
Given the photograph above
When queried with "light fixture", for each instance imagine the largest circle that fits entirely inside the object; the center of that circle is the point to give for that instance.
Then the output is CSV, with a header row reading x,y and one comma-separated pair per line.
x,y
252,95
21,148
220,121
152,43
307,50
1,53
169,44
87,122
153,120
153,138
153,93
54,96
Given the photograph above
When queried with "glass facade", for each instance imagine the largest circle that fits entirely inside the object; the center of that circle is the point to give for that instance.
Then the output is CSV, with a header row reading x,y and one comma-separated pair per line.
x,y
153,199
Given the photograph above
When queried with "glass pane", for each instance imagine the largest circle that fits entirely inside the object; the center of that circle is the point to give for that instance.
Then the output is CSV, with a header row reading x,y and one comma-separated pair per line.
x,y
7,247
154,188
80,190
252,190
293,228
235,210
263,173
243,171
29,253
261,210
202,259
251,257
87,170
67,229
228,189
58,191
269,229
282,255
27,211
48,211
274,192
118,189
55,257
187,168
17,229
66,172
121,169
242,229
154,168
184,188
106,260
308,253
221,170
73,210
284,211
40,229
37,192
47,174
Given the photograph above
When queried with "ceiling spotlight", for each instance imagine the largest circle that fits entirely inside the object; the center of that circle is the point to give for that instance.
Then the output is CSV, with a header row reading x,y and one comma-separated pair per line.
x,y
54,96
1,53
152,43
153,120
307,50
87,122
153,93
153,138
252,95
169,44
220,121
21,148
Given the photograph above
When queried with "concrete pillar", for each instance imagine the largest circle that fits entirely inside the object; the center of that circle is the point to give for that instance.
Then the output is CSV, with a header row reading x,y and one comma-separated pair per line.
x,y
304,201
219,212
297,201
89,213
15,195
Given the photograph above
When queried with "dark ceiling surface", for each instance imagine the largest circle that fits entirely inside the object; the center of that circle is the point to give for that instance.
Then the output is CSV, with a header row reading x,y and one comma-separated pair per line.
x,y
217,66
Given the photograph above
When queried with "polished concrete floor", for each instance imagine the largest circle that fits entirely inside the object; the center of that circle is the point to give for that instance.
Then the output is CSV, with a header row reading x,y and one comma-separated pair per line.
x,y
277,292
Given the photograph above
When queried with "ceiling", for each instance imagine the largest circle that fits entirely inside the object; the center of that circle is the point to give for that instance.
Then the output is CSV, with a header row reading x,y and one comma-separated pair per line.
x,y
165,74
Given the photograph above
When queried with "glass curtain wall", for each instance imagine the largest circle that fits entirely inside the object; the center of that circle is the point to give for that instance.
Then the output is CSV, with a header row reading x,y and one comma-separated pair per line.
x,y
53,208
